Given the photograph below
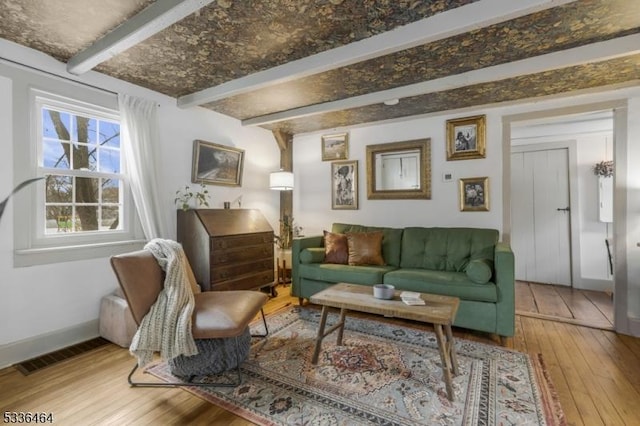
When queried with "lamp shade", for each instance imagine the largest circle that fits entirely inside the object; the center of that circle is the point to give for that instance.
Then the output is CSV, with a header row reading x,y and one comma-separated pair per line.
x,y
281,181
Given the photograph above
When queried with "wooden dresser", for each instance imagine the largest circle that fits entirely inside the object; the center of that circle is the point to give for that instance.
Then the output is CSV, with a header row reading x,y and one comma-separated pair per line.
x,y
230,249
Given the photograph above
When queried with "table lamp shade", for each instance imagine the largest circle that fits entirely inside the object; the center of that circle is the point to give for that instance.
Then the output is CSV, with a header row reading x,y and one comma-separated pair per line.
x,y
281,181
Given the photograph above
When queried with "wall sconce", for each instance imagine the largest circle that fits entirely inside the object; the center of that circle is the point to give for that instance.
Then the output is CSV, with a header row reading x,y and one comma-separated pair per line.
x,y
281,181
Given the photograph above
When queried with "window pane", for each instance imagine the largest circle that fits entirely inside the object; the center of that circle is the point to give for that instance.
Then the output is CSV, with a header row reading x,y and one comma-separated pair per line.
x,y
87,190
59,189
86,218
109,160
84,129
84,157
80,201
55,124
109,134
110,190
58,219
110,218
53,155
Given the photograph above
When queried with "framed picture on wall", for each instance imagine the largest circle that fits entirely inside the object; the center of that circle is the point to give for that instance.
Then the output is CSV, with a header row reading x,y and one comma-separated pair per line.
x,y
344,185
216,164
466,138
335,147
474,194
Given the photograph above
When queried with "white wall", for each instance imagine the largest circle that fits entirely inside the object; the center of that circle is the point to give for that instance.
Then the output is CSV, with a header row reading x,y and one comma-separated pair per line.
x,y
594,265
43,308
312,193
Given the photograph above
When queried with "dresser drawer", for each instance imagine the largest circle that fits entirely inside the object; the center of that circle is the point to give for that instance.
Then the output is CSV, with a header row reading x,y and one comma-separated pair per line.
x,y
246,282
235,241
242,254
224,272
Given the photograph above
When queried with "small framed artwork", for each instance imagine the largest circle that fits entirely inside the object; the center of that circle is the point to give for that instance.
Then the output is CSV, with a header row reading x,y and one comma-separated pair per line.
x,y
344,185
216,164
474,194
466,138
335,147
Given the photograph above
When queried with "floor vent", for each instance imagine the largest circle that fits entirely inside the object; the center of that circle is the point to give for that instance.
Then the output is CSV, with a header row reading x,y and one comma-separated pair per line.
x,y
32,365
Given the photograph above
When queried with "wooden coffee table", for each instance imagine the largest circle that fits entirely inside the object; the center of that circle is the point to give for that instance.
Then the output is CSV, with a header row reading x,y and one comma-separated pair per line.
x,y
438,310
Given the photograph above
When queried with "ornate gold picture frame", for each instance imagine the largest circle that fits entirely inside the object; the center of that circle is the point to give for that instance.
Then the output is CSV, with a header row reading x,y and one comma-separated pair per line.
x,y
399,170
216,164
335,147
344,185
466,138
474,194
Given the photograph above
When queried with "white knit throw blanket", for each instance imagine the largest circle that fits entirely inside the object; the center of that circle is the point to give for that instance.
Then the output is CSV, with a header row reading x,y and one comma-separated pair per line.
x,y
167,326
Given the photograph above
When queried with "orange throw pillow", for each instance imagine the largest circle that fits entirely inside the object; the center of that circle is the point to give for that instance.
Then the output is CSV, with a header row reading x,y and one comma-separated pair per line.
x,y
365,248
335,248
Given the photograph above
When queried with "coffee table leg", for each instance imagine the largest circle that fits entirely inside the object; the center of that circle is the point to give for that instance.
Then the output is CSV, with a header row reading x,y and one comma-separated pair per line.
x,y
451,346
323,322
343,313
446,361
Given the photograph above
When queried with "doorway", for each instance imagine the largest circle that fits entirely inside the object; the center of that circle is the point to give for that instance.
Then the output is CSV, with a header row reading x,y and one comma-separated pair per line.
x,y
580,138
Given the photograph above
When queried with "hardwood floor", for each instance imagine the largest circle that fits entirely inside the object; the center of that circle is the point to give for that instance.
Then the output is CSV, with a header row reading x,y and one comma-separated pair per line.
x,y
560,303
595,373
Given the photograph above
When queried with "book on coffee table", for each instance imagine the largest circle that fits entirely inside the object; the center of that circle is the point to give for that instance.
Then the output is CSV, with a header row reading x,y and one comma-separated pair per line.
x,y
411,298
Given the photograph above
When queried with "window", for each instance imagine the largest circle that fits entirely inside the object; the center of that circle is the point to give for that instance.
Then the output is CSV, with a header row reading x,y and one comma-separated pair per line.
x,y
83,208
80,157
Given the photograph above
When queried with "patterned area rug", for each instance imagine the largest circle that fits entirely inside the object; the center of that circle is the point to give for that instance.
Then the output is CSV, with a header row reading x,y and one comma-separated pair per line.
x,y
383,374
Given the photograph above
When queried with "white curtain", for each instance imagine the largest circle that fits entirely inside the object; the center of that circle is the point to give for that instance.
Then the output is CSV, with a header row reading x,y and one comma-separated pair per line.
x,y
138,125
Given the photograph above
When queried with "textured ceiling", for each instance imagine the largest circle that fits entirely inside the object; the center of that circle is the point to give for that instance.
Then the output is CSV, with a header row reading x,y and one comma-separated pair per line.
x,y
231,39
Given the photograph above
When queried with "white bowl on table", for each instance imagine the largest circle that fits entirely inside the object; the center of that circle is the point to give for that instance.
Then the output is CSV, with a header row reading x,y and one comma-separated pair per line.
x,y
383,291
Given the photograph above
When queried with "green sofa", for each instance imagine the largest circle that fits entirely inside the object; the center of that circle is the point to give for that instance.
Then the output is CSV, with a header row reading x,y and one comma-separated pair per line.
x,y
447,261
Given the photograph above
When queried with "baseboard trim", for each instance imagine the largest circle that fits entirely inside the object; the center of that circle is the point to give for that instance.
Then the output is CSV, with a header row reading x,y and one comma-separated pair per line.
x,y
594,285
634,326
32,347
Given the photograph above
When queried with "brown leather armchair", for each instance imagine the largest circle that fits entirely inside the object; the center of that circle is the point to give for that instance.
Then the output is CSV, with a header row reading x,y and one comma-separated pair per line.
x,y
217,314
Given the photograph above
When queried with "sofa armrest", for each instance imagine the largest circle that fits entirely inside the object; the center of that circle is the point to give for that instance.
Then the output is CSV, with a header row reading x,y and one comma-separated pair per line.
x,y
297,246
504,265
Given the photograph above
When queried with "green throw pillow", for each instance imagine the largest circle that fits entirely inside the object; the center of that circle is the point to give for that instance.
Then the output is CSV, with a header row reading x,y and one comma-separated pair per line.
x,y
480,271
312,255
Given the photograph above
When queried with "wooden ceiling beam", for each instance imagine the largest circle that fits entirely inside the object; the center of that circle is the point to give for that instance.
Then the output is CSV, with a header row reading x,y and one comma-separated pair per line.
x,y
153,19
596,52
281,139
437,27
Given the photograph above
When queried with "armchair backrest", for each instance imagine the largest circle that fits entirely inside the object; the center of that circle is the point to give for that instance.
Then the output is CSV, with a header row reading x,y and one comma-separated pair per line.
x,y
141,280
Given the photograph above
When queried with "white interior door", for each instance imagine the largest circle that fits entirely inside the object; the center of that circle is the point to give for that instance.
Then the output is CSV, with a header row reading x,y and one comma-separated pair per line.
x,y
541,239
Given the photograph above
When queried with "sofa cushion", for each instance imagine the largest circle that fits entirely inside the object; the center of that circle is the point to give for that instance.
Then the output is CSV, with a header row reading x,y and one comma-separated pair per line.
x,y
391,240
440,282
312,255
336,249
331,272
365,248
446,249
480,271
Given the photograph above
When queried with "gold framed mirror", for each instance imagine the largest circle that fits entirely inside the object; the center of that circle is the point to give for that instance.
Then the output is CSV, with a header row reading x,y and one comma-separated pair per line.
x,y
399,170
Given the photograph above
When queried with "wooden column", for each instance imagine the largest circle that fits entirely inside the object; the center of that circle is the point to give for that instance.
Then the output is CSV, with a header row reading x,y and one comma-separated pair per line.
x,y
285,143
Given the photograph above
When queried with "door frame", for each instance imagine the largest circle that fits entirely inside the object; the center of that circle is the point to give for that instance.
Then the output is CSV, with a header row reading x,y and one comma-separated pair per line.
x,y
622,322
574,229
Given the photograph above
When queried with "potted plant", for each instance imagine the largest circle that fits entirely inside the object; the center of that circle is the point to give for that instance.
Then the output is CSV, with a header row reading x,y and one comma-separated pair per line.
x,y
283,241
186,197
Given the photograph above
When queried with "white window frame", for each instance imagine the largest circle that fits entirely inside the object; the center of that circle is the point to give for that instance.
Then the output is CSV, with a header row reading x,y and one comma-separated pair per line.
x,y
35,246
